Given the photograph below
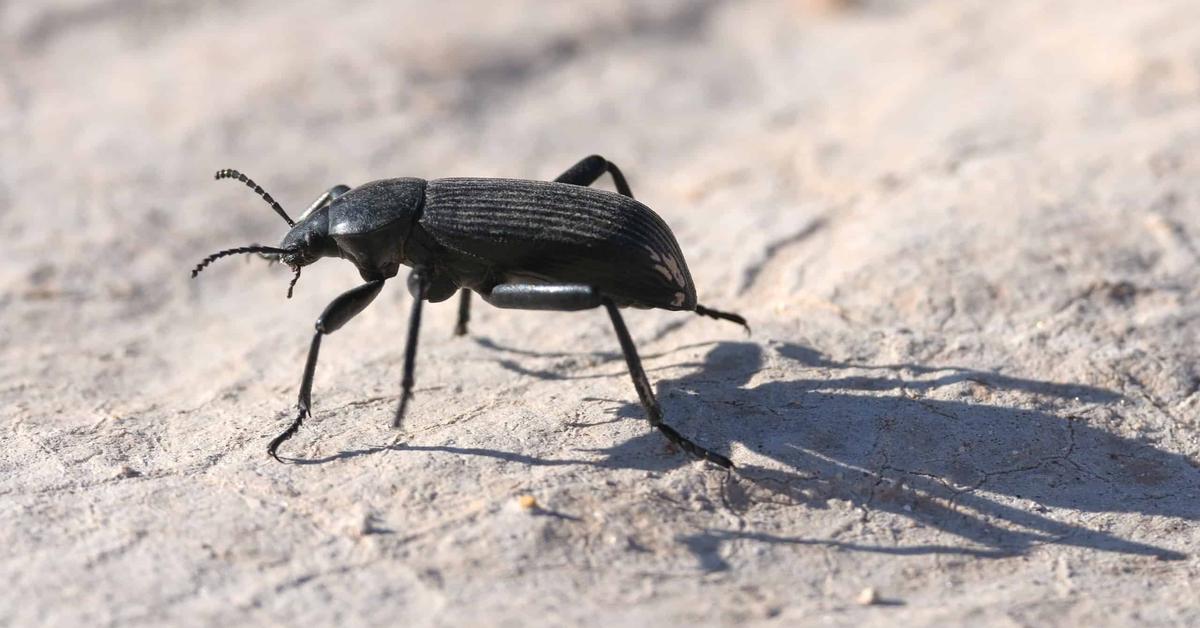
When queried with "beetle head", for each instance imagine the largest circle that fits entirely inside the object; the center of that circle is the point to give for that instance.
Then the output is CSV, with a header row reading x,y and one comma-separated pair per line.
x,y
306,242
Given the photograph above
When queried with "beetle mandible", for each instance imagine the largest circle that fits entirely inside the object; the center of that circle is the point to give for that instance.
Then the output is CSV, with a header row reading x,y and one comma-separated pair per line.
x,y
519,244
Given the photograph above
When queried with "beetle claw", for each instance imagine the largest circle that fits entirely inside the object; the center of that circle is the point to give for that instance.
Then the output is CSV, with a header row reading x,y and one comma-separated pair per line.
x,y
273,446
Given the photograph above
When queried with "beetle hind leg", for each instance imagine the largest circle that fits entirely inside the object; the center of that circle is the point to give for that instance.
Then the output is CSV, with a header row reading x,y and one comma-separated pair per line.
x,y
646,393
552,297
572,297
588,169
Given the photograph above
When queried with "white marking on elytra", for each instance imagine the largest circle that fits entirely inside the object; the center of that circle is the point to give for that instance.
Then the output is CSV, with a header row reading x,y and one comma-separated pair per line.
x,y
667,266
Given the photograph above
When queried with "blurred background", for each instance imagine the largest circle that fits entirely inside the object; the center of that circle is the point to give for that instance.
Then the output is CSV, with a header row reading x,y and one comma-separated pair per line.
x,y
964,232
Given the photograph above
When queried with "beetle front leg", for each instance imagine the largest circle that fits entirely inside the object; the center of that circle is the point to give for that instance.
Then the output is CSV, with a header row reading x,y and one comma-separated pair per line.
x,y
572,297
345,307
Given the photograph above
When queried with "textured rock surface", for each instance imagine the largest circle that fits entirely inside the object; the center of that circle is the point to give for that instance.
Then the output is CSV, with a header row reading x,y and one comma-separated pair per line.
x,y
965,232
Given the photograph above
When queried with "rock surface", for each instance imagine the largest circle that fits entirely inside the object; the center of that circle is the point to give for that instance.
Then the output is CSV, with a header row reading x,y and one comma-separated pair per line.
x,y
965,232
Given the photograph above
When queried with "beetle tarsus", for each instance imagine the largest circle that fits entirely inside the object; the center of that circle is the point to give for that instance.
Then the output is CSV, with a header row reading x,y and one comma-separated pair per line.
x,y
692,448
725,316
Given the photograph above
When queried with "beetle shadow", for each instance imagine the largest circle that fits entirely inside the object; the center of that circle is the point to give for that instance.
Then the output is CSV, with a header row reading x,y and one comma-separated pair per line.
x,y
506,456
971,467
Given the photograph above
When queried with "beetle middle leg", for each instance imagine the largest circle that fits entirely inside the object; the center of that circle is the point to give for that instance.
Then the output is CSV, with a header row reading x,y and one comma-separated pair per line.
x,y
325,198
464,312
572,297
339,312
418,285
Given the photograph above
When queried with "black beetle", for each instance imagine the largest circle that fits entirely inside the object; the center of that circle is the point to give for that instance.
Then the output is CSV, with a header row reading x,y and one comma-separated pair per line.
x,y
532,245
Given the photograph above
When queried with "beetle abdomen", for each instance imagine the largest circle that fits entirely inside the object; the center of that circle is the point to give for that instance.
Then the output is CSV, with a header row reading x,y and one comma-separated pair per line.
x,y
555,232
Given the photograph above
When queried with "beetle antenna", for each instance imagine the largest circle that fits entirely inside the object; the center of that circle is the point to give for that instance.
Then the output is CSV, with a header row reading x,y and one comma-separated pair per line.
x,y
234,174
269,250
271,258
295,278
